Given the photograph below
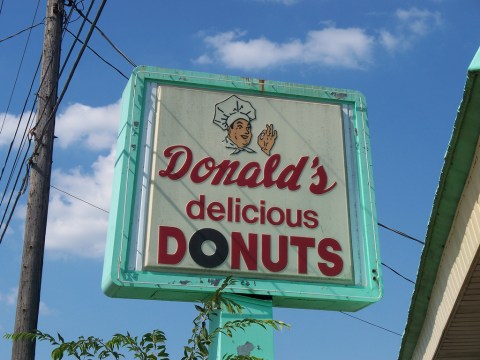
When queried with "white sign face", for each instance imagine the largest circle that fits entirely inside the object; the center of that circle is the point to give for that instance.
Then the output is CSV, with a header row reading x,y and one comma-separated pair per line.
x,y
247,185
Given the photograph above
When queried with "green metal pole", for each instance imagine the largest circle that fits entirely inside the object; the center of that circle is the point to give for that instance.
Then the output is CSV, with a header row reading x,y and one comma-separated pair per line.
x,y
255,340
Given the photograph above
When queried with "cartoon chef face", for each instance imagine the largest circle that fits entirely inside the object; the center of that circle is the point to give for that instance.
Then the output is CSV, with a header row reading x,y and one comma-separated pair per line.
x,y
240,132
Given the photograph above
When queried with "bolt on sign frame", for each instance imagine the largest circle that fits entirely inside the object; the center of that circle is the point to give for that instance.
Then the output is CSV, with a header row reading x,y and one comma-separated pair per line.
x,y
267,181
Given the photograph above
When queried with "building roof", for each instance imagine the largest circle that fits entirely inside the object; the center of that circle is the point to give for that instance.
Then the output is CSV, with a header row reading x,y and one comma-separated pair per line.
x,y
455,171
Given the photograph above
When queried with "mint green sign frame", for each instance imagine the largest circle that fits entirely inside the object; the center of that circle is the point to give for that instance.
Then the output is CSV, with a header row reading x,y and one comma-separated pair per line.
x,y
122,277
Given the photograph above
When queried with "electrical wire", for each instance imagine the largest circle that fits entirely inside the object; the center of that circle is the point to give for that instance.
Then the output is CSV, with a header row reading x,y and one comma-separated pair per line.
x,y
100,57
19,122
21,31
70,3
20,192
47,122
79,199
59,99
22,143
405,236
347,314
19,68
62,68
344,313
72,71
354,317
24,182
396,272
77,38
106,38
72,46
370,323
401,233
106,211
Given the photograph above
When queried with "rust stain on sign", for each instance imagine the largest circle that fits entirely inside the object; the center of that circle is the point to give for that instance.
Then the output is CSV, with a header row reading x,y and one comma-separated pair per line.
x,y
262,85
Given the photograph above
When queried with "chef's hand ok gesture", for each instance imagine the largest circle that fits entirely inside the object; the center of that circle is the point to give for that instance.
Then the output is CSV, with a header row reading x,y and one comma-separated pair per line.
x,y
266,139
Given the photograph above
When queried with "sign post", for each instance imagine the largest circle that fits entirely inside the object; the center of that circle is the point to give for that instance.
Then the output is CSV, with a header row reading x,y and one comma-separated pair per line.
x,y
266,181
255,341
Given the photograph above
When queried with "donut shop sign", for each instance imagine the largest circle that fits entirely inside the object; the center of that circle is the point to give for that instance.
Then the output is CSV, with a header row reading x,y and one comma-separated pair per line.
x,y
266,181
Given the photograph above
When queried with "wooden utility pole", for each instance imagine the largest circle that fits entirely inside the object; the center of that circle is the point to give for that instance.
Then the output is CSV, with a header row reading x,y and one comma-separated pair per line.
x,y
29,287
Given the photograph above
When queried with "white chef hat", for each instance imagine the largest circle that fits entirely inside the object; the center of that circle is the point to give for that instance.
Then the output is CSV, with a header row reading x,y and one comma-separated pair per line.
x,y
234,108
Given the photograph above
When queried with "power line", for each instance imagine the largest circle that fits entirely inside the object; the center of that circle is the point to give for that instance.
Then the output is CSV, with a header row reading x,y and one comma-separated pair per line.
x,y
77,60
21,145
99,56
95,206
106,211
106,37
79,199
401,233
72,46
22,142
21,191
19,122
20,150
77,38
70,3
54,110
370,323
344,313
62,69
21,31
396,272
19,68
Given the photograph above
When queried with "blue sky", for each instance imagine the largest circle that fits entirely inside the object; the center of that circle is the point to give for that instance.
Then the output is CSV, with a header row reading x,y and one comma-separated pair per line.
x,y
409,59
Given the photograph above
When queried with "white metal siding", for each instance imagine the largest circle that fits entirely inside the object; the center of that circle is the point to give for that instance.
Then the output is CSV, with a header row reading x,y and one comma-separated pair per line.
x,y
458,257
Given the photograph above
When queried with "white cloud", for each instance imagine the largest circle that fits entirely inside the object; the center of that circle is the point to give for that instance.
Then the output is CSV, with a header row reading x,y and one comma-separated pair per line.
x,y
203,60
9,124
411,25
418,22
45,310
92,128
348,48
10,298
388,40
75,227
331,46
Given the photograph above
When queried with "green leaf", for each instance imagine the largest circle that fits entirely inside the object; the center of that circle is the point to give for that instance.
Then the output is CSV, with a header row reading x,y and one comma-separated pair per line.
x,y
57,354
151,344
